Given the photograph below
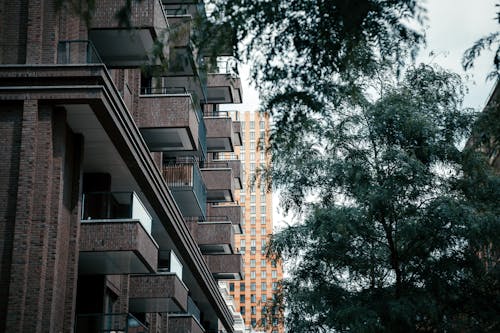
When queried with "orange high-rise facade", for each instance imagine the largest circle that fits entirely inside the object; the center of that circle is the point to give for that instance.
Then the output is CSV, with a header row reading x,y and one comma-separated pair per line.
x,y
255,293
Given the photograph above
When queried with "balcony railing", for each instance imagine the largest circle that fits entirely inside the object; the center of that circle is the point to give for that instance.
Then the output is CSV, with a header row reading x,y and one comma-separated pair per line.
x,y
185,175
163,91
115,206
108,323
193,310
172,266
217,114
223,65
77,52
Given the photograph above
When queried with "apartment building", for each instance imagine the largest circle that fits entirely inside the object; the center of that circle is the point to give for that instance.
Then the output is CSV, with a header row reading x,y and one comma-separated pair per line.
x,y
255,293
109,204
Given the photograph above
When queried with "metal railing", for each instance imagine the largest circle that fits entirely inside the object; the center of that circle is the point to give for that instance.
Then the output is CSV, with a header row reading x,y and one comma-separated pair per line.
x,y
221,218
163,90
77,52
223,65
115,206
185,174
216,114
109,323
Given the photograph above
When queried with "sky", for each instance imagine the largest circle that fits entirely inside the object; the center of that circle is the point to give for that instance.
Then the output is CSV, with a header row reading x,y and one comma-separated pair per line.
x,y
452,27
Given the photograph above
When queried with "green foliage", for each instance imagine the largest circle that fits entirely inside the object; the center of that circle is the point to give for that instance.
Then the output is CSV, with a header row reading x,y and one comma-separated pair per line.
x,y
404,231
305,53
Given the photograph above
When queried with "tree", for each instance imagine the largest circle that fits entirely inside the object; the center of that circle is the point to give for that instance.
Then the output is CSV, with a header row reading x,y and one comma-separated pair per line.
x,y
306,52
404,231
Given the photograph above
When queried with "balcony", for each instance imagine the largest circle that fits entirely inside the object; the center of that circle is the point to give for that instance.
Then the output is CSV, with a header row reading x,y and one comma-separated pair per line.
x,y
214,236
171,121
219,182
238,141
233,213
123,47
234,165
225,266
163,292
220,132
115,236
223,82
184,323
108,322
184,179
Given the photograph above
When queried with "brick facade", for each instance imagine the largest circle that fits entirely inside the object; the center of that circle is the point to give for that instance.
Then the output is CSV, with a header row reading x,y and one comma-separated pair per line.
x,y
69,126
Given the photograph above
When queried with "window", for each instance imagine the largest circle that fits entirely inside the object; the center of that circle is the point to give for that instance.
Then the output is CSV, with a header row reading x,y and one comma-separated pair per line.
x,y
273,263
242,155
252,156
263,286
252,169
263,242
252,220
262,125
264,321
252,275
253,310
274,274
253,286
242,198
242,286
252,209
253,322
263,263
262,156
252,263
263,219
242,299
252,145
231,286
242,242
242,125
253,242
242,310
262,198
263,231
252,198
263,274
252,135
243,249
263,209
263,298
252,125
253,298
275,285
252,232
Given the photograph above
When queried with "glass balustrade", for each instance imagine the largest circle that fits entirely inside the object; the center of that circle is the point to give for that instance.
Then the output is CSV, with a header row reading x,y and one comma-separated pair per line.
x,y
115,206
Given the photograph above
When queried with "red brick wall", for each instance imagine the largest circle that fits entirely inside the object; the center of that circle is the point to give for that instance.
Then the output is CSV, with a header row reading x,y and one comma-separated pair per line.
x,y
10,144
43,261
